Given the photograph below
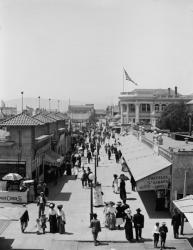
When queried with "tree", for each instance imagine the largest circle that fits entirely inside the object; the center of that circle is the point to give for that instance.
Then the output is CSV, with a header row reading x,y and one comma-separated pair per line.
x,y
174,117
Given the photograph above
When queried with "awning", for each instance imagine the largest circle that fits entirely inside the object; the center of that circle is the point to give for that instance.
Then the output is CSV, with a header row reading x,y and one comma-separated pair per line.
x,y
146,166
185,205
53,158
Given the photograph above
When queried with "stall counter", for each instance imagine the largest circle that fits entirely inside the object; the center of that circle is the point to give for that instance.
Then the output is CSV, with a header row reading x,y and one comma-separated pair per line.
x,y
13,197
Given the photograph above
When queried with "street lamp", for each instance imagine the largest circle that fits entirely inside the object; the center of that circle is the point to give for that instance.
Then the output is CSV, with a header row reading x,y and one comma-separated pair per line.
x,y
49,104
22,101
91,178
39,102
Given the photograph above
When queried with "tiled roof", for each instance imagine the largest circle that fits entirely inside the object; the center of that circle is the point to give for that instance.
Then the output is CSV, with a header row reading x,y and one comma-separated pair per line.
x,y
54,116
21,120
43,118
64,116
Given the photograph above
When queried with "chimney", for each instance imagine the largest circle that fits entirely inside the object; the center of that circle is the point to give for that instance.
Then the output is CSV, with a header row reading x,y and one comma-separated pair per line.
x,y
169,92
176,91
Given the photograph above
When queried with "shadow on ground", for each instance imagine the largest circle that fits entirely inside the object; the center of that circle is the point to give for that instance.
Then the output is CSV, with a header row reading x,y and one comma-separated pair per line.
x,y
6,244
56,194
146,197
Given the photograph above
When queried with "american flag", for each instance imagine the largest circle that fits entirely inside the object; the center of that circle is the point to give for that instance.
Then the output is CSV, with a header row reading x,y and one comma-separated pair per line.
x,y
128,78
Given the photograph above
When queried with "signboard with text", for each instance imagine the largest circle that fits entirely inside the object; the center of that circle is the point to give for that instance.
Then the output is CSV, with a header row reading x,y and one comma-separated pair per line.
x,y
13,197
159,180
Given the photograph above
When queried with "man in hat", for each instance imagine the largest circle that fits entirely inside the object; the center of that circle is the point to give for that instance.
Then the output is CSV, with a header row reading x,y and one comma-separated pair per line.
x,y
163,233
176,222
96,228
138,220
41,203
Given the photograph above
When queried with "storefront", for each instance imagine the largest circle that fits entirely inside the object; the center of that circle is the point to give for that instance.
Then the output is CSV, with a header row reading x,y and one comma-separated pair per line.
x,y
152,173
53,166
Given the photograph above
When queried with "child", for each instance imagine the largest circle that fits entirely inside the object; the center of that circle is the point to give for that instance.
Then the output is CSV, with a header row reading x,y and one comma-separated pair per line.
x,y
43,220
156,234
163,233
38,226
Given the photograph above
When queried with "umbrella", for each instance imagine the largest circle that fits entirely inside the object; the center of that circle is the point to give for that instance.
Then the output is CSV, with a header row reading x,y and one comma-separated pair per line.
x,y
123,177
12,177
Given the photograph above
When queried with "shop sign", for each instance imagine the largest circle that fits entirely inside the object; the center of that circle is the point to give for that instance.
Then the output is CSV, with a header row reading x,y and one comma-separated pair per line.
x,y
13,197
156,181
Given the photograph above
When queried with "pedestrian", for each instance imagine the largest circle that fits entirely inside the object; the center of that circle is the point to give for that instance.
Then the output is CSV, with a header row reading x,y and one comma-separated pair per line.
x,y
38,225
115,184
163,234
68,168
119,215
176,222
133,183
106,214
88,173
128,225
112,215
123,194
61,219
52,218
96,228
109,153
43,221
84,179
89,156
156,234
117,156
41,203
138,220
24,219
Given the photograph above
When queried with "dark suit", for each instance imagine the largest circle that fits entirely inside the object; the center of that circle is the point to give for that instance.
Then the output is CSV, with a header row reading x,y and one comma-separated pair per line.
x,y
96,228
138,220
176,222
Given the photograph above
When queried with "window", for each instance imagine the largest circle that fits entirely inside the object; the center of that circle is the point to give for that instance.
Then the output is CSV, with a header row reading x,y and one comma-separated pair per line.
x,y
124,107
157,107
145,108
131,108
163,107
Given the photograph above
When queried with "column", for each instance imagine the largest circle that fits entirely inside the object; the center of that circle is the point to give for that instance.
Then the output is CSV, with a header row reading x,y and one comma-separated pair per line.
x,y
121,114
136,113
127,113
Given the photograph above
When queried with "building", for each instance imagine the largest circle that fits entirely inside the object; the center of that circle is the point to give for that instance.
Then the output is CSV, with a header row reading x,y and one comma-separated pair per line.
x,y
33,146
80,115
144,106
164,168
100,115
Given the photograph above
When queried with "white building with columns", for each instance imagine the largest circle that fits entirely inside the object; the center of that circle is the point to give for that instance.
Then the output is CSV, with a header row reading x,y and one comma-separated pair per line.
x,y
144,106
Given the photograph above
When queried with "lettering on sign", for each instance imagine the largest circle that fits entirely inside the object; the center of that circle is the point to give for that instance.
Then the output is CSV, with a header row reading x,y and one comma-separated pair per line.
x,y
13,198
156,181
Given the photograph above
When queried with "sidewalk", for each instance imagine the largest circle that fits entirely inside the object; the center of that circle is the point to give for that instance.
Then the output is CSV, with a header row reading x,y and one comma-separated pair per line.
x,y
76,203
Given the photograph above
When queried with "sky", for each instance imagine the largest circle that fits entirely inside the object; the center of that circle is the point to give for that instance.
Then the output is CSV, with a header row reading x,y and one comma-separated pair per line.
x,y
76,49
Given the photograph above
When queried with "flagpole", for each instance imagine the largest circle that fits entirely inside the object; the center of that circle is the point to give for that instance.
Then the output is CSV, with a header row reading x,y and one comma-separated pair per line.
x,y
123,81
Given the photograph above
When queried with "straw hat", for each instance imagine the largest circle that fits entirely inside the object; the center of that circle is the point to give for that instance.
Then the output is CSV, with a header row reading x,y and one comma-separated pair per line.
x,y
52,205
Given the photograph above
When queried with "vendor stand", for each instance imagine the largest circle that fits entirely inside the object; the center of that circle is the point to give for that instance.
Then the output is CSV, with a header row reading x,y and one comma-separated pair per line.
x,y
10,189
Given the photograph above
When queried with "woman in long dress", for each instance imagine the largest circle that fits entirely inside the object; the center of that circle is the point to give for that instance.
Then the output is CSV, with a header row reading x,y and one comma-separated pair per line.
x,y
112,216
115,184
106,215
52,218
128,225
123,195
61,219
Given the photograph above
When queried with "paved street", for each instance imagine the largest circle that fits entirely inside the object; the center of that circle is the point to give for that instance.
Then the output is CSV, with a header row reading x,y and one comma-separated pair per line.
x,y
76,201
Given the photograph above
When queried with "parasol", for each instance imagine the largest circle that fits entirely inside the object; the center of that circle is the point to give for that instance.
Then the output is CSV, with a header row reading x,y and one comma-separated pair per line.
x,y
123,177
12,177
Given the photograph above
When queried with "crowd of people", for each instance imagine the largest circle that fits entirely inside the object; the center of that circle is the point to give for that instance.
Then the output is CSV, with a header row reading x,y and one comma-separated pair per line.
x,y
116,215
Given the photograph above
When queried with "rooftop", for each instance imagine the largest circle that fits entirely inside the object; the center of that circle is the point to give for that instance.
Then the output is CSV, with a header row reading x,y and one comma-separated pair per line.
x,y
43,118
21,120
